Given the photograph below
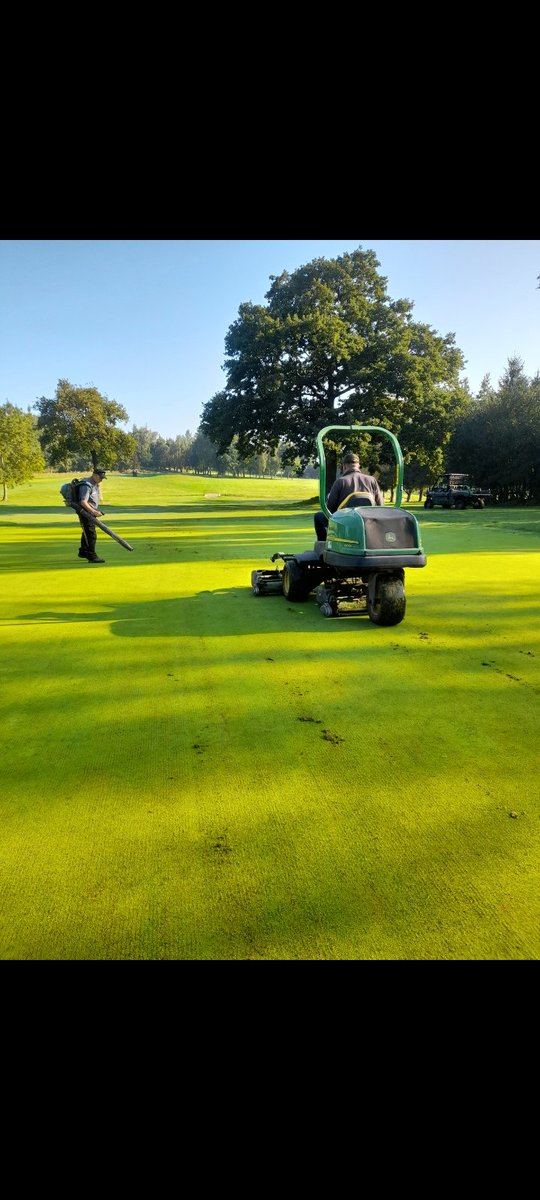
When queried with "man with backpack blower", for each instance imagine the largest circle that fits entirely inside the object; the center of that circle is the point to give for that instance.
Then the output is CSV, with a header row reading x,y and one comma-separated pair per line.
x,y
88,503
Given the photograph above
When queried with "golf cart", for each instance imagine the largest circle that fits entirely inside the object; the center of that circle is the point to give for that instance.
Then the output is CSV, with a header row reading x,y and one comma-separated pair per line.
x,y
360,566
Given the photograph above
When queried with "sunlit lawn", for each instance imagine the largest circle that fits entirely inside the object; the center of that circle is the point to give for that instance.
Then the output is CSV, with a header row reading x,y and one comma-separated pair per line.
x,y
192,772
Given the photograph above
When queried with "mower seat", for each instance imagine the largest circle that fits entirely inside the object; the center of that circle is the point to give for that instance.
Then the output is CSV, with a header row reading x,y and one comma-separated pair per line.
x,y
358,500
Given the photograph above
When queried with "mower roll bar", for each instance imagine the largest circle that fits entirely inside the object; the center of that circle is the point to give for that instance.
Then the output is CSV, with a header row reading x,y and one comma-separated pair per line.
x,y
357,429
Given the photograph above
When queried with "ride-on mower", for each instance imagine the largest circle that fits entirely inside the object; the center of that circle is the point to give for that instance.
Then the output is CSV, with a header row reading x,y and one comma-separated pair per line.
x,y
361,565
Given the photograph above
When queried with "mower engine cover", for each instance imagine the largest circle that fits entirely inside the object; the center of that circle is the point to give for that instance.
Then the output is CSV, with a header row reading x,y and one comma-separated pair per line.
x,y
374,537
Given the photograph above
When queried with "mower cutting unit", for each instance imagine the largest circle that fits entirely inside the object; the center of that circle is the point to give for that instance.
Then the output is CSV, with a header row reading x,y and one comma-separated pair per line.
x,y
361,565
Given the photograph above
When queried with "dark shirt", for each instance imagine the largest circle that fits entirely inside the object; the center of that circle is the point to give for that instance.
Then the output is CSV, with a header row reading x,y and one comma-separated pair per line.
x,y
353,480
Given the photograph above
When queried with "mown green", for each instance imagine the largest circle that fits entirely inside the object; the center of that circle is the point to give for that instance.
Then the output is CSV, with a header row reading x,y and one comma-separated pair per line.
x,y
192,772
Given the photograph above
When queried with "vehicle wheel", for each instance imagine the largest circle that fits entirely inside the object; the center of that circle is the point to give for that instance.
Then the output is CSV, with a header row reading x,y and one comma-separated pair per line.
x,y
296,586
478,504
460,504
388,607
428,503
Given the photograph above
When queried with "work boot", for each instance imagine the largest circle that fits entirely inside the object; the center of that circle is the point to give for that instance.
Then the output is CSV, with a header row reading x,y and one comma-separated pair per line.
x,y
94,558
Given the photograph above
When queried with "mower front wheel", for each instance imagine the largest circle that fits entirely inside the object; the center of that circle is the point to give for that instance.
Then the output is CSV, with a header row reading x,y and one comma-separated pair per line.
x,y
296,586
387,605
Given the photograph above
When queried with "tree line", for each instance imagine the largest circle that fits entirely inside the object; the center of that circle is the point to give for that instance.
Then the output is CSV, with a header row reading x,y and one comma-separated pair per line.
x,y
77,430
330,347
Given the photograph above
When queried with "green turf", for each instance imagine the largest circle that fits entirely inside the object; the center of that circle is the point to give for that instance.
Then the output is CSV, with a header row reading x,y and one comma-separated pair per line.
x,y
192,772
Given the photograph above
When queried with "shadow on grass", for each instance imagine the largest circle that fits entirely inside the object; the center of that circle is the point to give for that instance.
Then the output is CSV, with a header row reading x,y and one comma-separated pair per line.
x,y
222,612
226,612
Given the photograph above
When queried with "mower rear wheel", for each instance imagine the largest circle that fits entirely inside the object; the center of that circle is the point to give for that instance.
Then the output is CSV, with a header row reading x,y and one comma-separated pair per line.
x,y
388,607
296,586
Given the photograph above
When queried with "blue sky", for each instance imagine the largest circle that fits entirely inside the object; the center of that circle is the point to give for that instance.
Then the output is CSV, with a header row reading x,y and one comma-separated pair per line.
x,y
145,321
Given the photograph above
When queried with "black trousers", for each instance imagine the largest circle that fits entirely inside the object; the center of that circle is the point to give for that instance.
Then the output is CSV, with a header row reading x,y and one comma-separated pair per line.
x,y
89,534
321,526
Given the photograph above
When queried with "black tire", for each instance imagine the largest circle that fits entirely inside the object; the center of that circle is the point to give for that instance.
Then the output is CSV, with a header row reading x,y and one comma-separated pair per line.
x,y
478,504
460,504
296,586
388,607
428,503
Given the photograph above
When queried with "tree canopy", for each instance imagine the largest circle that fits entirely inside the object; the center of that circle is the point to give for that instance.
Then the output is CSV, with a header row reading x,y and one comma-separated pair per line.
x,y
498,440
80,421
20,451
331,347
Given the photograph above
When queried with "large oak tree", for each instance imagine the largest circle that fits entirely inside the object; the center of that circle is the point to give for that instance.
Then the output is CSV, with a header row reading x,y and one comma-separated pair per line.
x,y
331,347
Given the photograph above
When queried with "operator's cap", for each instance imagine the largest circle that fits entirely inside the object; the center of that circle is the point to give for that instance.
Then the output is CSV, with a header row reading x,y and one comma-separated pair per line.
x,y
351,458
100,471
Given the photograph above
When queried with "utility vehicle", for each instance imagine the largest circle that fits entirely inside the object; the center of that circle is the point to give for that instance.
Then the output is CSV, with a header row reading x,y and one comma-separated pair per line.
x,y
452,491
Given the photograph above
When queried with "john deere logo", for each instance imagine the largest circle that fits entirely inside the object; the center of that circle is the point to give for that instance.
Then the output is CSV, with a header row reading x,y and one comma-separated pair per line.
x,y
389,537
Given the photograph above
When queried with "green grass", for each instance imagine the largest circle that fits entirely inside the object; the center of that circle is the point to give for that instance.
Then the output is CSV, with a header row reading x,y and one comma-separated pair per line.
x,y
191,772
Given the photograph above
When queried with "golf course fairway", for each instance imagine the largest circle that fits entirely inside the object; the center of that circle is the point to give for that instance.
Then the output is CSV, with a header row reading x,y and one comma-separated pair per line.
x,y
192,772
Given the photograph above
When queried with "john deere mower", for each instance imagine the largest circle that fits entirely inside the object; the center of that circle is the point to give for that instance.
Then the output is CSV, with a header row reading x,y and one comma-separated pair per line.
x,y
360,568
